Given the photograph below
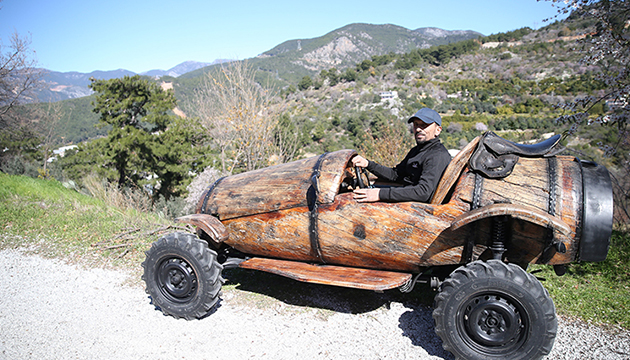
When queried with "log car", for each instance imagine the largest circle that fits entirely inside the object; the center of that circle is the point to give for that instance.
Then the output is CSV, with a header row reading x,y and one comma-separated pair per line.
x,y
499,207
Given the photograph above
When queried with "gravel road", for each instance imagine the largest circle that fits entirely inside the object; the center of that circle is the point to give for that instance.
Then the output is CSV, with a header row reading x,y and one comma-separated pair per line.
x,y
50,309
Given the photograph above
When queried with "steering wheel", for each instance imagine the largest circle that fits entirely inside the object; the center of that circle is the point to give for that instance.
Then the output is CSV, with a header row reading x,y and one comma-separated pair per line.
x,y
360,181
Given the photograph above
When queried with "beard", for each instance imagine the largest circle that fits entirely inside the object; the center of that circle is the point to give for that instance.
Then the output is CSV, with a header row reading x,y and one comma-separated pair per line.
x,y
422,140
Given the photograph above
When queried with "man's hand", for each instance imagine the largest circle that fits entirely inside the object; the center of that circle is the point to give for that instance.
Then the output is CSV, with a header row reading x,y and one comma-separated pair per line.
x,y
359,161
366,195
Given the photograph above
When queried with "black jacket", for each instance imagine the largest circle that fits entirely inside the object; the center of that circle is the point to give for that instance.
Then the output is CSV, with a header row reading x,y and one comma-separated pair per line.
x,y
419,173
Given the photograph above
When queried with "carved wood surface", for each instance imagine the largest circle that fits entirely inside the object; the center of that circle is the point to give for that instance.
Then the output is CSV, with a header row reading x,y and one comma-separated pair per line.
x,y
277,187
393,236
330,275
528,185
208,223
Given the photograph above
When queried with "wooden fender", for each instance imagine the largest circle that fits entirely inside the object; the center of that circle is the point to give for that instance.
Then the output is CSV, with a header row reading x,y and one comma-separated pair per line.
x,y
518,211
527,213
209,224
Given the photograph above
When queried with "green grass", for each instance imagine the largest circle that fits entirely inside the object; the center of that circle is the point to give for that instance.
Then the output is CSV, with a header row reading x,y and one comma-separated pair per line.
x,y
65,223
59,222
595,292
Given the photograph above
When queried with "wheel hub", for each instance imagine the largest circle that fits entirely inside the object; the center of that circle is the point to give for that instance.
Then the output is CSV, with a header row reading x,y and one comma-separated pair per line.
x,y
492,321
177,280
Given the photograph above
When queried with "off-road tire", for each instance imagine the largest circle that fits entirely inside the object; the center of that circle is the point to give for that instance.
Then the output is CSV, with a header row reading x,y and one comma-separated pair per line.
x,y
493,310
182,276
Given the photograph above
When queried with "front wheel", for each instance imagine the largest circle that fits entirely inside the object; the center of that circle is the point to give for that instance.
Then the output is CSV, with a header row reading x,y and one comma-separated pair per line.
x,y
183,276
493,310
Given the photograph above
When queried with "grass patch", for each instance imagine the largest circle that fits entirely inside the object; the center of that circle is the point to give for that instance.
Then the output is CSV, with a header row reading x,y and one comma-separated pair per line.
x,y
595,292
64,223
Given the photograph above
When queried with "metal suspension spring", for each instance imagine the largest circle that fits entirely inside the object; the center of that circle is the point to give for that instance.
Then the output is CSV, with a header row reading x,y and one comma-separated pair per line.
x,y
498,237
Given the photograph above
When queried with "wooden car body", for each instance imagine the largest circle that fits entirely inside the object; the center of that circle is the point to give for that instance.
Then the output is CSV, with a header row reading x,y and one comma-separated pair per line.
x,y
300,220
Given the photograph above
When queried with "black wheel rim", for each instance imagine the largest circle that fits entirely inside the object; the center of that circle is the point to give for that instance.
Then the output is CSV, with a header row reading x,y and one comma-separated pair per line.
x,y
493,323
177,280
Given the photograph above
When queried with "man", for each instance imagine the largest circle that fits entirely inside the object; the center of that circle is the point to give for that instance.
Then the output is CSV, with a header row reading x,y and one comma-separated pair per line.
x,y
420,171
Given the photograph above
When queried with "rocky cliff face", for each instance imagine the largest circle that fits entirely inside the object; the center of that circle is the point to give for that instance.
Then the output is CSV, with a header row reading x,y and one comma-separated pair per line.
x,y
354,43
331,55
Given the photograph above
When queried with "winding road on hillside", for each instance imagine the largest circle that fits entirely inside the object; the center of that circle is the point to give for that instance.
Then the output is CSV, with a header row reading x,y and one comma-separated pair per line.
x,y
50,309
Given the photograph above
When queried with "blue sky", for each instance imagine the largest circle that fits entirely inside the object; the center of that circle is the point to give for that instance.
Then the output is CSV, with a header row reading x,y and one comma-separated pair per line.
x,y
88,35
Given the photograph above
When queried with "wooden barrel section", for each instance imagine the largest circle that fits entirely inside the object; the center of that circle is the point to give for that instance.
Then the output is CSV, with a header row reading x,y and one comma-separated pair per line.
x,y
549,188
278,187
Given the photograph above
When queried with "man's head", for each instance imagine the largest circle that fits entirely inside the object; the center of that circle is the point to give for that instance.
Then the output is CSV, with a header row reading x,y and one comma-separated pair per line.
x,y
427,125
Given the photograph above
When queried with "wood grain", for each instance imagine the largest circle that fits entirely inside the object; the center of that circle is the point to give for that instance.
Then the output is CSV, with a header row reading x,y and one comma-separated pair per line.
x,y
366,279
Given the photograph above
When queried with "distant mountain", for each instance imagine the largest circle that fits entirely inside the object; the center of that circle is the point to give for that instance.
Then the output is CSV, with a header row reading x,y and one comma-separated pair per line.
x,y
356,42
288,62
432,34
182,68
70,85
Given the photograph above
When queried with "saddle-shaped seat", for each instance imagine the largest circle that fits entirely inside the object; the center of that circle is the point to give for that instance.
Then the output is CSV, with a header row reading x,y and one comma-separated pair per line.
x,y
495,156
501,146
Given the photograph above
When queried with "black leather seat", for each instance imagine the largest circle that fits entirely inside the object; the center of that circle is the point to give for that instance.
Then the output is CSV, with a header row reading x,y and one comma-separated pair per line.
x,y
501,146
495,156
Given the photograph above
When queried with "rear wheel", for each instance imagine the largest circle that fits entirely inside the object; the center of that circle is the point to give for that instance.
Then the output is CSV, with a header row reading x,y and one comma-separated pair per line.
x,y
182,276
493,310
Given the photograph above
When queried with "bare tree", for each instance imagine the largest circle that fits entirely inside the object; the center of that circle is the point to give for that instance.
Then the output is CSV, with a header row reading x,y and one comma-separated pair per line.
x,y
287,139
18,78
18,74
608,48
238,115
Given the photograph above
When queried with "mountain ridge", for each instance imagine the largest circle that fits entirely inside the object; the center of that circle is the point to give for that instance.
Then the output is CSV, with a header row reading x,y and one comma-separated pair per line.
x,y
289,61
73,84
348,46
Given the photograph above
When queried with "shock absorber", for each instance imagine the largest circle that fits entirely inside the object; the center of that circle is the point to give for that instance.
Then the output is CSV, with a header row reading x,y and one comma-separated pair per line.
x,y
499,236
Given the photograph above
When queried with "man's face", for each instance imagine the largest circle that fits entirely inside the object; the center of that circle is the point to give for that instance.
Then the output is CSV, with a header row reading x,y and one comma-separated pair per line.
x,y
424,132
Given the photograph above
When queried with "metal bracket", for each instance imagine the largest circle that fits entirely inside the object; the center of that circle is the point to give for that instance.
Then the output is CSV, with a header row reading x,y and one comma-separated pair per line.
x,y
313,206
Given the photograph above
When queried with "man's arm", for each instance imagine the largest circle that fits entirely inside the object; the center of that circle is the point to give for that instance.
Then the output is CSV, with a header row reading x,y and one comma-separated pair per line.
x,y
383,172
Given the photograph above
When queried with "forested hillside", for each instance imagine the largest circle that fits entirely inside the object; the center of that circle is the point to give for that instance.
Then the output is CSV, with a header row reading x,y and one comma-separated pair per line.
x,y
505,82
77,121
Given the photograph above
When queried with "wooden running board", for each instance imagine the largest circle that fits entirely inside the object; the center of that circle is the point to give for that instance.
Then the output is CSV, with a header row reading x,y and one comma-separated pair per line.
x,y
357,278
